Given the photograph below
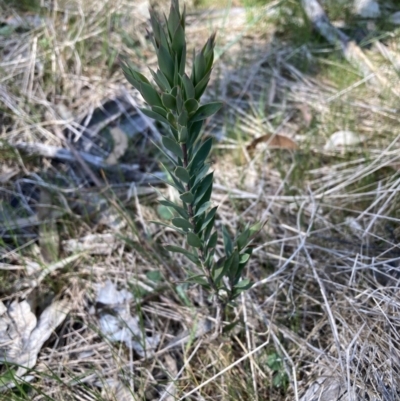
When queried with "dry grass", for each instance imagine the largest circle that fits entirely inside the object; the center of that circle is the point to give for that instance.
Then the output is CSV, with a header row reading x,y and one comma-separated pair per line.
x,y
324,310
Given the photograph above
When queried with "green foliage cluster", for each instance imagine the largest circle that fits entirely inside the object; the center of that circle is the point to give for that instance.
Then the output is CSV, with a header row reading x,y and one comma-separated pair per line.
x,y
174,101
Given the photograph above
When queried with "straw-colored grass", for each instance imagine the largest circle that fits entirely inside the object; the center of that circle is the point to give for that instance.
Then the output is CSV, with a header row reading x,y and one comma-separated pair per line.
x,y
324,310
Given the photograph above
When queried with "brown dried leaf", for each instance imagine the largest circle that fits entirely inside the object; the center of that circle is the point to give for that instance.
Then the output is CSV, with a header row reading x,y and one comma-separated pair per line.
x,y
273,141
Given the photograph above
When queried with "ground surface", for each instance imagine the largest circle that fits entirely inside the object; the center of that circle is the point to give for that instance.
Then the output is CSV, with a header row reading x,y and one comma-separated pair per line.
x,y
96,308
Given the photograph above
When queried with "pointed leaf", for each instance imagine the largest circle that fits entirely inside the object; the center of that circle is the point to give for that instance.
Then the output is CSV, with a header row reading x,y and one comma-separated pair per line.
x,y
172,146
166,64
199,68
177,249
243,258
174,20
212,242
178,41
227,242
183,135
182,223
171,119
201,155
203,187
243,285
150,95
201,86
194,240
233,268
202,208
177,183
188,86
182,174
165,154
206,110
209,217
183,118
168,101
179,209
191,105
199,175
187,197
161,84
242,239
154,115
200,279
160,223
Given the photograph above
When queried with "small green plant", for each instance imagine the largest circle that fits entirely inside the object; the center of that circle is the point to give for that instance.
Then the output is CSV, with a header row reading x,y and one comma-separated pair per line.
x,y
174,101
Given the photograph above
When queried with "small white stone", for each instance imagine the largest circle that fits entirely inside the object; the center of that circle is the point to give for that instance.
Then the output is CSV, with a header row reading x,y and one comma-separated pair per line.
x,y
343,139
367,8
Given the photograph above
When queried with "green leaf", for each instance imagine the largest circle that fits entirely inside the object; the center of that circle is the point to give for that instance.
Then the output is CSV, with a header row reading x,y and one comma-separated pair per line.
x,y
165,154
174,19
209,217
183,135
200,279
188,86
187,197
199,68
191,105
131,73
177,183
168,101
233,268
182,61
172,146
206,110
165,212
201,86
160,110
183,118
160,223
194,240
182,174
194,129
221,268
179,42
207,231
244,284
212,242
160,80
256,228
203,187
207,196
154,115
155,24
179,100
179,209
199,175
227,242
201,155
244,258
202,208
166,64
243,239
177,249
150,95
171,119
154,275
182,223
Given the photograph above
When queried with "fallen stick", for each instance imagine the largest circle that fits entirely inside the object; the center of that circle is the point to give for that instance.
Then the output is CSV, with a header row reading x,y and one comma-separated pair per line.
x,y
54,152
351,51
